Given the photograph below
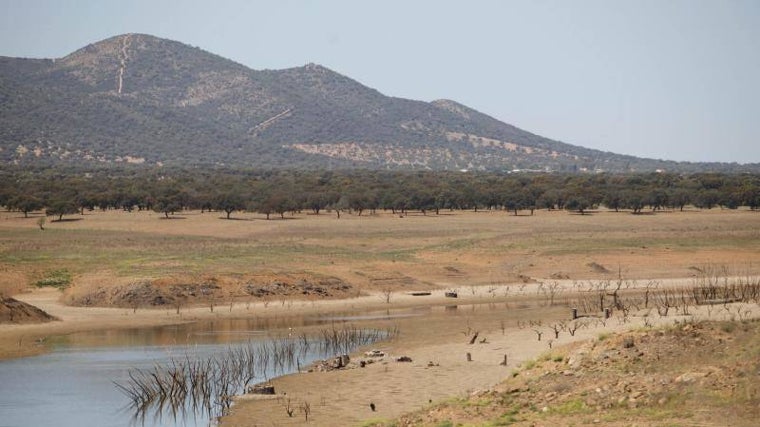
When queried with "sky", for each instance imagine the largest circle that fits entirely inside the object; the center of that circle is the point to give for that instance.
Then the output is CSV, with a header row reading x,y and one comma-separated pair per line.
x,y
665,79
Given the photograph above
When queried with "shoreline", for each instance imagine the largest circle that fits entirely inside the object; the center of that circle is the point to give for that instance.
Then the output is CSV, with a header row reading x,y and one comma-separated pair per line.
x,y
23,340
343,397
444,364
438,346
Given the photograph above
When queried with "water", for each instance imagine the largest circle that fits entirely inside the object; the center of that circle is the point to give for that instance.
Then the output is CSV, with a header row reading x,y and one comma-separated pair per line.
x,y
73,385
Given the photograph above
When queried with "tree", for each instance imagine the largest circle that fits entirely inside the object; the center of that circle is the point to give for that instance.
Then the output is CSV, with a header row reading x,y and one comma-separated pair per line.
x,y
657,199
61,207
707,199
340,205
317,200
580,197
170,199
613,199
26,203
358,201
577,203
679,197
230,201
634,200
269,204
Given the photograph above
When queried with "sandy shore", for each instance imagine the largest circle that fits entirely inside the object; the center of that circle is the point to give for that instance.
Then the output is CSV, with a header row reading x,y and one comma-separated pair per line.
x,y
343,397
28,339
438,346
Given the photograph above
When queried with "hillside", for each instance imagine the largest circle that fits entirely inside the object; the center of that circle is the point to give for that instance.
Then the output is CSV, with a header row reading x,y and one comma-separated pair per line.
x,y
139,99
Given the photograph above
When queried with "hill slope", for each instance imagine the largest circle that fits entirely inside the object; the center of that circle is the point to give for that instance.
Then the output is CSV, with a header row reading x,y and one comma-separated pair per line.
x,y
700,374
135,98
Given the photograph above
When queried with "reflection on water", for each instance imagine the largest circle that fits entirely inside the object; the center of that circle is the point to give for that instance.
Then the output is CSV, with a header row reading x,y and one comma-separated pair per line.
x,y
190,386
73,385
217,331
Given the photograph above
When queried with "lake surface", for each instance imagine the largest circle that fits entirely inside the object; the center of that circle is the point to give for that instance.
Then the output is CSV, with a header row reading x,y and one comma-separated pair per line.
x,y
73,384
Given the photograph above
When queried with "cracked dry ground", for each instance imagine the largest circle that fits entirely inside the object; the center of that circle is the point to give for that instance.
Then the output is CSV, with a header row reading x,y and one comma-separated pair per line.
x,y
695,374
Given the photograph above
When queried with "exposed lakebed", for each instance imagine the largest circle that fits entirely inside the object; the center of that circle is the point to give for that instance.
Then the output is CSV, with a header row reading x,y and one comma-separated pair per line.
x,y
74,383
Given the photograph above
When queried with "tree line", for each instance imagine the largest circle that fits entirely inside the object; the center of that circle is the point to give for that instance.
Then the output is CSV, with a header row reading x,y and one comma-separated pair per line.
x,y
279,192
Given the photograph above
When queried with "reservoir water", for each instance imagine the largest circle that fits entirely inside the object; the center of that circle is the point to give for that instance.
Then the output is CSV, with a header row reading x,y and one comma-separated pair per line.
x,y
74,384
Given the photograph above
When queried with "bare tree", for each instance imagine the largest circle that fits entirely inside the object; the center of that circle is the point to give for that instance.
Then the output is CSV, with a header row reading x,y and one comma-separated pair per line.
x,y
306,410
387,293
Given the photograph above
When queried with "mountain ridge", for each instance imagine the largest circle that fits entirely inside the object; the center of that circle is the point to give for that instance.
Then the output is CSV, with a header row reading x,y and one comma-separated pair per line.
x,y
136,98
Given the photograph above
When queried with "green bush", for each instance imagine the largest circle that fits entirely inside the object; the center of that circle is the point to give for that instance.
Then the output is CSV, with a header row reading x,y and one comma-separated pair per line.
x,y
55,278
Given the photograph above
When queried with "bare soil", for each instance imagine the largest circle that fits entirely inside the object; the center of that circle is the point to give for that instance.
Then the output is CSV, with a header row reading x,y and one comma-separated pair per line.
x,y
694,373
187,290
18,312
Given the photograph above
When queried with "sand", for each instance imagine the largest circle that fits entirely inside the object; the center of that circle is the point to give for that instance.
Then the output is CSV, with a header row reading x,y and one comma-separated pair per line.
x,y
439,369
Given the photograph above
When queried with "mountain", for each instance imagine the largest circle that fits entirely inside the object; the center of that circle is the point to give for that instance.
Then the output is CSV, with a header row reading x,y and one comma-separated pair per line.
x,y
135,98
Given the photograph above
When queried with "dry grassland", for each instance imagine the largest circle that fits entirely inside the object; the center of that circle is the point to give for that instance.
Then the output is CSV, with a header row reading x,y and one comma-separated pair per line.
x,y
379,251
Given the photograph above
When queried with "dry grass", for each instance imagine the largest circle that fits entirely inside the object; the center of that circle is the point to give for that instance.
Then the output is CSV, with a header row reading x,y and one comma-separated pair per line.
x,y
483,247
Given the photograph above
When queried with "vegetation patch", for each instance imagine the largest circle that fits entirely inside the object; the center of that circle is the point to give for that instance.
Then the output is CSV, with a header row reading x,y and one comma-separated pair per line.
x,y
55,278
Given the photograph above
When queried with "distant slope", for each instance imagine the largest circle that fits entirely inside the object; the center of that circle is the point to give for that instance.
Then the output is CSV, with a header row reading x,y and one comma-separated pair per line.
x,y
139,99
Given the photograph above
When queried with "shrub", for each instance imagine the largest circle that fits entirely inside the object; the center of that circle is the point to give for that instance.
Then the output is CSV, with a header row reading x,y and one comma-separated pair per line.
x,y
55,278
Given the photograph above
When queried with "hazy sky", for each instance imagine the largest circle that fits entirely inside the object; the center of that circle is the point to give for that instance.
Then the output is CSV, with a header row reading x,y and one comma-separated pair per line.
x,y
666,79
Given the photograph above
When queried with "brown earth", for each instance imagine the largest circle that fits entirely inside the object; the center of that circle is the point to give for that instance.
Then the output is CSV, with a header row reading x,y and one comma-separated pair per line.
x,y
188,290
693,373
18,312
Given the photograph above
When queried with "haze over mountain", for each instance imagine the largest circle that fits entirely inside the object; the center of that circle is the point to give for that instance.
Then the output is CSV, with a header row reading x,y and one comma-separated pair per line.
x,y
136,98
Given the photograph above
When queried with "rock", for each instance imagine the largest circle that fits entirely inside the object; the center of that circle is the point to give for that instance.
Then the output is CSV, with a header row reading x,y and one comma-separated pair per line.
x,y
264,388
340,361
690,377
403,359
576,360
374,353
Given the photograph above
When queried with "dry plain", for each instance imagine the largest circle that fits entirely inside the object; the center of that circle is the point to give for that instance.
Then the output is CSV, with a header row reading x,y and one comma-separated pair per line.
x,y
497,262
